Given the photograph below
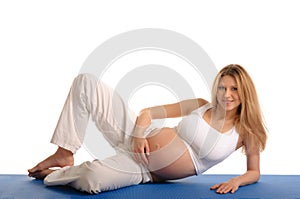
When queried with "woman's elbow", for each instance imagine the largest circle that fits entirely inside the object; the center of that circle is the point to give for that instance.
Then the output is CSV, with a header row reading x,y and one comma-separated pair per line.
x,y
256,175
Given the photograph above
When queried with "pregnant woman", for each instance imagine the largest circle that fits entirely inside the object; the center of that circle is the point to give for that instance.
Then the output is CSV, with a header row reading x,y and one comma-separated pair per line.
x,y
207,134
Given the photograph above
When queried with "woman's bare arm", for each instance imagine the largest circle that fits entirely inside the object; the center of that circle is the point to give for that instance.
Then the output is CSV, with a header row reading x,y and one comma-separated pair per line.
x,y
252,174
140,143
178,109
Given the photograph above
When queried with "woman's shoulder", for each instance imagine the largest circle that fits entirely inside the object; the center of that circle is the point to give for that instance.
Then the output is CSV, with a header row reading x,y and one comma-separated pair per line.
x,y
202,102
203,106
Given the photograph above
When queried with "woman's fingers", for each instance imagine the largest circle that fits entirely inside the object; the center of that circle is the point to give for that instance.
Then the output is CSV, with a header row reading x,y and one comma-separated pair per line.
x,y
234,189
141,157
144,158
224,188
215,186
141,150
147,148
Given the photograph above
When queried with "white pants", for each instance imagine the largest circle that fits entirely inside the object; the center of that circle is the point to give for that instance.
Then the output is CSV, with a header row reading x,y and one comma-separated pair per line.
x,y
87,98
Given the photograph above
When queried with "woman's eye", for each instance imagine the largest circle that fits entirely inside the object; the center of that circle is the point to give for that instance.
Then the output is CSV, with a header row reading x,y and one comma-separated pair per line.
x,y
234,89
221,88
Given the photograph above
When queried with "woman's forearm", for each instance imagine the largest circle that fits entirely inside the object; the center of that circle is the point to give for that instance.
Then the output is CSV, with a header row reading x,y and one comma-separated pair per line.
x,y
232,185
146,116
178,109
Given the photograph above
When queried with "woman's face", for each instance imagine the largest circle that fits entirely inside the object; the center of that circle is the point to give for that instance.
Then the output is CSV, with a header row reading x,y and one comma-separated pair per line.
x,y
227,94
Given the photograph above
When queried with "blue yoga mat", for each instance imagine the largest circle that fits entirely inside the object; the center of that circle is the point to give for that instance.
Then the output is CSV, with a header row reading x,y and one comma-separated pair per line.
x,y
269,187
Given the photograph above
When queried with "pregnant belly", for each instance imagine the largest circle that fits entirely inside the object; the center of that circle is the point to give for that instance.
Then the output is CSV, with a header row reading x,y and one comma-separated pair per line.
x,y
169,157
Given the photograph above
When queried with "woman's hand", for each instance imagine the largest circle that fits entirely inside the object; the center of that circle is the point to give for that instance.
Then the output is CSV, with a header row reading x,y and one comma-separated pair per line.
x,y
140,144
141,150
251,176
230,186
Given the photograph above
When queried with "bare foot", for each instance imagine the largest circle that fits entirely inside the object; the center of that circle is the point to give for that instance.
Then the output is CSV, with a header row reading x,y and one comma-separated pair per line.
x,y
41,174
60,158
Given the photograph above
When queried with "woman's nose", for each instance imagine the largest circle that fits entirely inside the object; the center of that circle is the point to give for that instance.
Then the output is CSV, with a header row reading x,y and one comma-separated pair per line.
x,y
227,93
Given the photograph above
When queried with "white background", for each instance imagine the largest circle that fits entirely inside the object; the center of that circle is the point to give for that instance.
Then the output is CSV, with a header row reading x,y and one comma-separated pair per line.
x,y
43,46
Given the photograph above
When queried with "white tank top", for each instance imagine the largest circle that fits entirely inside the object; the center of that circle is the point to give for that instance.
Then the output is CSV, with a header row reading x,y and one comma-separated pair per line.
x,y
207,146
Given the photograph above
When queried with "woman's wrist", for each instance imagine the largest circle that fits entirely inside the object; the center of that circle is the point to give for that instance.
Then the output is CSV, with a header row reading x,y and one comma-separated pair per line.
x,y
143,121
235,181
247,178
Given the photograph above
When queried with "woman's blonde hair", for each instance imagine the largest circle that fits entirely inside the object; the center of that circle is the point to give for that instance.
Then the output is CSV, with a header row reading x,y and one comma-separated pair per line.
x,y
249,122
